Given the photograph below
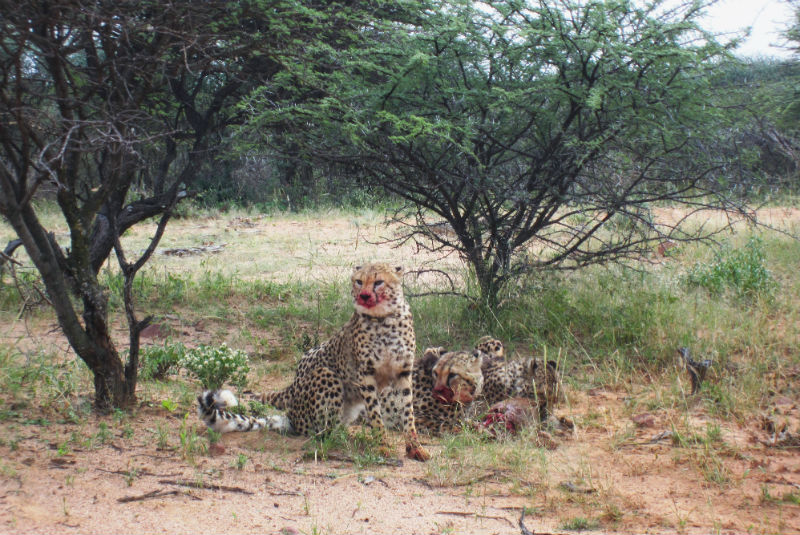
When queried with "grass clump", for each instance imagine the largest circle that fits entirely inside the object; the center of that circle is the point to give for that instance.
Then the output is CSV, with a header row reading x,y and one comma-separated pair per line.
x,y
471,457
363,447
580,524
742,270
156,362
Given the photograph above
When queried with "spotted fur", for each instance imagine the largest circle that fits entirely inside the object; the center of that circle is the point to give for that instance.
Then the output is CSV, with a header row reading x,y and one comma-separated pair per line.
x,y
526,377
482,378
345,376
211,409
445,383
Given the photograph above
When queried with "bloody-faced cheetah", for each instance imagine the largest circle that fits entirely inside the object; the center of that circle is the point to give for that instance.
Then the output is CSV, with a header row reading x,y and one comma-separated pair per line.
x,y
445,383
454,387
373,352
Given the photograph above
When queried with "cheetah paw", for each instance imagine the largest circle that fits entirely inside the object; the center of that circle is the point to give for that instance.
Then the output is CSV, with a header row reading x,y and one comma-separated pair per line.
x,y
417,452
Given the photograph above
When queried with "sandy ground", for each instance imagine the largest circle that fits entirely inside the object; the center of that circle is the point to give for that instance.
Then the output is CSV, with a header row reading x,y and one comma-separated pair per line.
x,y
102,474
636,484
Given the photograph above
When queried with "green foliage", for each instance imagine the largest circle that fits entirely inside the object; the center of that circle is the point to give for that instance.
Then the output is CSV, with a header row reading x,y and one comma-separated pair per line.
x,y
213,366
362,447
158,361
580,524
240,462
792,32
742,270
22,293
512,119
103,434
258,409
760,120
190,443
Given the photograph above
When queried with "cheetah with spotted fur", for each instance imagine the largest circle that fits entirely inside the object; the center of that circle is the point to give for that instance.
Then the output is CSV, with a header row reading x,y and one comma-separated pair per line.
x,y
445,384
451,387
343,378
526,377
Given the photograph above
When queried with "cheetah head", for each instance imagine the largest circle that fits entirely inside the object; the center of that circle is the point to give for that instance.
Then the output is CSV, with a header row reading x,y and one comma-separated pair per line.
x,y
377,288
490,346
457,377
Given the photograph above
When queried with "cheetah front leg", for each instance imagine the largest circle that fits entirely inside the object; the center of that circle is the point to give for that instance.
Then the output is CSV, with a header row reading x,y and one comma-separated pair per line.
x,y
369,392
414,449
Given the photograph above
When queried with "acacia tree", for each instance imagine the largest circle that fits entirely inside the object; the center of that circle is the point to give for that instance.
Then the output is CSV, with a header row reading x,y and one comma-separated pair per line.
x,y
97,96
542,132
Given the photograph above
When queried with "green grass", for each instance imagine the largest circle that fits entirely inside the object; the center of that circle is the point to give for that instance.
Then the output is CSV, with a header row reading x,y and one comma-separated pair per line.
x,y
580,524
362,447
610,325
471,458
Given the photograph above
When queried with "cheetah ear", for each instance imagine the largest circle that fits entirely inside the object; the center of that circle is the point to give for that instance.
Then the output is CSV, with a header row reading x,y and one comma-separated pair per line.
x,y
434,352
357,268
398,270
429,359
483,339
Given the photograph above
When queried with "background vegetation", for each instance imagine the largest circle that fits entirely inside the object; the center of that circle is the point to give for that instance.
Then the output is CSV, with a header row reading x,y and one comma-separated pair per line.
x,y
482,130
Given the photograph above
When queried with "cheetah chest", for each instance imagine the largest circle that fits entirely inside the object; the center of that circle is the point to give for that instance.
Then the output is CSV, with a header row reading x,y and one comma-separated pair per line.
x,y
389,354
389,366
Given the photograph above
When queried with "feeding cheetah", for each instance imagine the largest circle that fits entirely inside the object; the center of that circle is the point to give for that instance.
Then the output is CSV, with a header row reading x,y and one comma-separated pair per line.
x,y
526,378
445,384
451,387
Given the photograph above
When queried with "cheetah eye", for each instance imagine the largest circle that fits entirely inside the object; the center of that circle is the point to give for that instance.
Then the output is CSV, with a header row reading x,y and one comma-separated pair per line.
x,y
452,377
359,282
378,283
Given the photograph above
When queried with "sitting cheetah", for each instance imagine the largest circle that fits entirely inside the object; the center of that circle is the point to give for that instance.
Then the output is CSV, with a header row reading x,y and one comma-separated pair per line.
x,y
374,351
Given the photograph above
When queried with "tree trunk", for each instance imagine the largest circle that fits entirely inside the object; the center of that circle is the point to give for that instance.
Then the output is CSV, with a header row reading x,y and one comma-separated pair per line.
x,y
90,338
111,385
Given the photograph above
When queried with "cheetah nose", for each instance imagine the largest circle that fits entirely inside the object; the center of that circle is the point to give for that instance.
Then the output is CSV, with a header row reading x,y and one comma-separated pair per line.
x,y
365,296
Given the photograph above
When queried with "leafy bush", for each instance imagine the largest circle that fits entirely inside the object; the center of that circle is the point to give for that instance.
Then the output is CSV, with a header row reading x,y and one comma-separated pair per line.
x,y
214,366
742,270
157,361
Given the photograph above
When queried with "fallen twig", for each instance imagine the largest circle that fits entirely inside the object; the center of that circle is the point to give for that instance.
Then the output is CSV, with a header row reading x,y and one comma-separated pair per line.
x,y
137,471
572,487
282,492
526,531
523,529
147,496
207,486
476,515
348,459
422,482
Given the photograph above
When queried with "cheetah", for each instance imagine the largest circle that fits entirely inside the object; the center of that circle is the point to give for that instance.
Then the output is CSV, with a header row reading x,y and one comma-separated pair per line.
x,y
445,383
343,378
453,387
527,377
